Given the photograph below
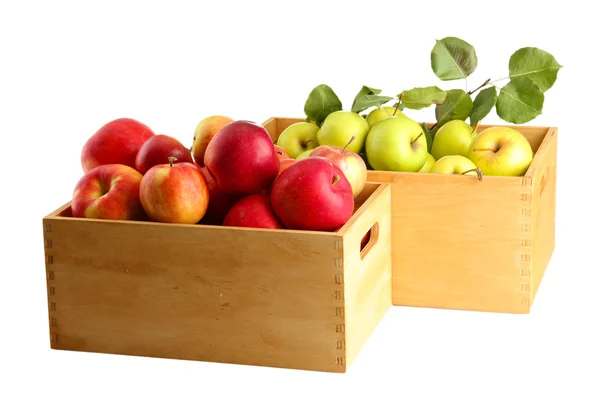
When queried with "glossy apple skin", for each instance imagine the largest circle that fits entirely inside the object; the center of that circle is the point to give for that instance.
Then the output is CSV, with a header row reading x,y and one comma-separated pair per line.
x,y
219,203
205,131
429,162
453,138
304,196
157,150
378,114
116,142
242,158
349,162
108,191
282,154
508,152
174,194
340,126
396,144
253,211
454,164
299,137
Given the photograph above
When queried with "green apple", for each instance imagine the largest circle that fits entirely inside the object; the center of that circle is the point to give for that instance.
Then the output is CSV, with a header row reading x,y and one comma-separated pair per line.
x,y
298,138
396,144
453,138
428,164
455,164
304,154
378,114
340,126
501,151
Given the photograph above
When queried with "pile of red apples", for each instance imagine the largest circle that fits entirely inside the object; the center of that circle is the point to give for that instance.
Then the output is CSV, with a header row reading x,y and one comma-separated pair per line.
x,y
233,175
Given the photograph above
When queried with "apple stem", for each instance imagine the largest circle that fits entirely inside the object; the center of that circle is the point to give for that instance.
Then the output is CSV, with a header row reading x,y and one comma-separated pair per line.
x,y
305,144
171,160
494,150
488,80
477,170
414,140
279,152
348,144
335,180
397,106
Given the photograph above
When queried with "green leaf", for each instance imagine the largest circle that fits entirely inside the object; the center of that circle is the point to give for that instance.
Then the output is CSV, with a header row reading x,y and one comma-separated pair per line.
x,y
422,97
366,101
428,136
457,105
483,104
453,58
365,91
535,64
320,103
520,101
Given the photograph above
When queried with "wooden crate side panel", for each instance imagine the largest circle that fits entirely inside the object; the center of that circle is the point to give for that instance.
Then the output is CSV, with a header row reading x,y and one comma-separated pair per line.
x,y
195,293
457,243
543,208
367,274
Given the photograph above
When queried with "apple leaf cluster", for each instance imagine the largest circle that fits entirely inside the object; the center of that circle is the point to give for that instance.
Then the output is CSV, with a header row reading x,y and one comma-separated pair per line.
x,y
531,72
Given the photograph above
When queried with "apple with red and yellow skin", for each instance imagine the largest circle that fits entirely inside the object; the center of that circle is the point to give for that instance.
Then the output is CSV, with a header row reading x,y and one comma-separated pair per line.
x,y
242,158
116,142
349,162
219,203
157,150
312,194
253,211
285,163
174,193
109,191
205,131
282,154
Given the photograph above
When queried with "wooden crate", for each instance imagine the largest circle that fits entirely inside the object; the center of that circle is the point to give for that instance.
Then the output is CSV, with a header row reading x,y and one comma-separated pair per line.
x,y
463,244
281,298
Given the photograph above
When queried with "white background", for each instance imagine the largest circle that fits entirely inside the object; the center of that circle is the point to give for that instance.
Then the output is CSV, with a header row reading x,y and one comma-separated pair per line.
x,y
67,68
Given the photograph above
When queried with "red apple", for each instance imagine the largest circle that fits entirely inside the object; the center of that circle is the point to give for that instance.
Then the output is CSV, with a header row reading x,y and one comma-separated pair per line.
x,y
157,150
174,193
349,162
219,203
108,191
282,154
312,194
116,142
253,211
242,159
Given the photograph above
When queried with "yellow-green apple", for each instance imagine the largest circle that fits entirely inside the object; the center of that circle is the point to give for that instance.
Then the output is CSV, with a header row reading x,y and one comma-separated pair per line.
x,y
109,191
351,164
253,211
116,142
428,164
219,202
242,158
340,126
174,193
304,154
378,114
205,131
282,154
455,164
453,138
501,151
312,194
298,137
157,150
396,144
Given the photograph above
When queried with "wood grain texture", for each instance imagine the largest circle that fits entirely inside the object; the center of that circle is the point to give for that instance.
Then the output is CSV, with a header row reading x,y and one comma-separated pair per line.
x,y
367,274
543,182
461,244
234,295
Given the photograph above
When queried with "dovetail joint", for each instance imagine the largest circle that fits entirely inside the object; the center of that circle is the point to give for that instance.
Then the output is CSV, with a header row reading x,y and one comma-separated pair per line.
x,y
339,311
47,227
337,245
48,243
340,328
338,295
340,361
337,262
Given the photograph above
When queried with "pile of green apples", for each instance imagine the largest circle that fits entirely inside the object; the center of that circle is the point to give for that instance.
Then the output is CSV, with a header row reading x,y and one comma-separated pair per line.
x,y
388,140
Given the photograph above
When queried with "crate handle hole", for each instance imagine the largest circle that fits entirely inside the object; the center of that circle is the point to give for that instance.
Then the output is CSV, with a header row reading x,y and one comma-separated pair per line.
x,y
368,240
